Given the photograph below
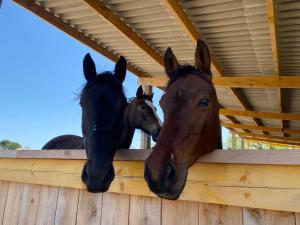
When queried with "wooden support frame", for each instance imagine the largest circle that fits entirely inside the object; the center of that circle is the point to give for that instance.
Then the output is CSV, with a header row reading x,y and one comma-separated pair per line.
x,y
263,128
106,14
186,24
254,114
218,177
270,138
274,142
275,54
66,28
236,81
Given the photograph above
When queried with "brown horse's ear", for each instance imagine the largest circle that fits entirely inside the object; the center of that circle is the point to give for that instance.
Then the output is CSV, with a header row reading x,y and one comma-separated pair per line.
x,y
139,92
202,57
170,62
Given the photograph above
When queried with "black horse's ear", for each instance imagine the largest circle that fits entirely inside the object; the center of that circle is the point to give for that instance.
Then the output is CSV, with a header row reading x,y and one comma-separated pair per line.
x,y
170,62
139,92
89,68
120,69
202,57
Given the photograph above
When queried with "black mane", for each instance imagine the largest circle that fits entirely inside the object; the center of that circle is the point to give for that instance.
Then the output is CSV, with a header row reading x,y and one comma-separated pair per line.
x,y
105,77
184,70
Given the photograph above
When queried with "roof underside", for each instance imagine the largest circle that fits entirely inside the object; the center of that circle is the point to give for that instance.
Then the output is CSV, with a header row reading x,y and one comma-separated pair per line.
x,y
239,33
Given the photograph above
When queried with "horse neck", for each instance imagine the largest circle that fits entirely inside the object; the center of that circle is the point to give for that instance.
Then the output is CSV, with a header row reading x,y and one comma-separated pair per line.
x,y
127,131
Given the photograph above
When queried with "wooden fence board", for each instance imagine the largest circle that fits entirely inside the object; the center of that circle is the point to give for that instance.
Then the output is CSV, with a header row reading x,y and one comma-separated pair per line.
x,y
13,204
179,213
144,210
115,209
47,205
66,210
3,197
267,217
29,204
213,214
297,217
89,208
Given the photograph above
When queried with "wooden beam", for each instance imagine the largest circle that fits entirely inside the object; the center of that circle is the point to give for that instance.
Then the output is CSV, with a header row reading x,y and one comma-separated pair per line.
x,y
262,128
269,137
206,182
236,81
270,115
106,14
187,26
275,54
273,142
66,28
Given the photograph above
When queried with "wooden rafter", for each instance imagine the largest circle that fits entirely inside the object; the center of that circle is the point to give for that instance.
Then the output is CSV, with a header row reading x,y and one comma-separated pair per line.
x,y
100,8
274,142
269,137
262,128
270,115
186,24
237,81
272,28
52,19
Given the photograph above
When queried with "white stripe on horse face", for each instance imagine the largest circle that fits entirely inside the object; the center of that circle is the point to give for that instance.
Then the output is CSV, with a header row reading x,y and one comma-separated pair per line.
x,y
150,104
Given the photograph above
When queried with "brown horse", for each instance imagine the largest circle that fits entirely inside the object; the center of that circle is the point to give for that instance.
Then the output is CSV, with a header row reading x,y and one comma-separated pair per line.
x,y
140,114
191,125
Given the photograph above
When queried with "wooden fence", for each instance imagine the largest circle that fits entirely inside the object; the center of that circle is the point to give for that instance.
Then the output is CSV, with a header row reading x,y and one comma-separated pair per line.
x,y
44,188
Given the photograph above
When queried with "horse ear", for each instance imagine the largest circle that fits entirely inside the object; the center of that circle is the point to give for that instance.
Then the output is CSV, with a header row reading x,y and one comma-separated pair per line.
x,y
139,92
120,69
151,96
202,57
170,62
89,68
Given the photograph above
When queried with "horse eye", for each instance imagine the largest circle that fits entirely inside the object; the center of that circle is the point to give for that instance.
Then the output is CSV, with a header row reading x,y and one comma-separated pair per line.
x,y
204,102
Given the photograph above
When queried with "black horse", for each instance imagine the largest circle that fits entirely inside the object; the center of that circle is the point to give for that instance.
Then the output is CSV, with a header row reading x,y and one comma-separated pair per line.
x,y
103,104
140,113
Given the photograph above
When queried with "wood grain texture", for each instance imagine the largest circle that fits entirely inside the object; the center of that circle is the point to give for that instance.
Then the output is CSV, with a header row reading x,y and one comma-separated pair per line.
x,y
29,204
13,204
267,217
66,210
213,214
47,205
270,157
297,217
179,213
144,210
3,197
89,208
115,209
256,81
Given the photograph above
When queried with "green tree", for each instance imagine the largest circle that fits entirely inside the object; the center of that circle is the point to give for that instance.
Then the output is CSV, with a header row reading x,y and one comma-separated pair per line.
x,y
9,145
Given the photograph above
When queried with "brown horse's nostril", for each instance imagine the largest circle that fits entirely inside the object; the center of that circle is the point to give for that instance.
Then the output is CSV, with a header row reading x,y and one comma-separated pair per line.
x,y
169,175
155,133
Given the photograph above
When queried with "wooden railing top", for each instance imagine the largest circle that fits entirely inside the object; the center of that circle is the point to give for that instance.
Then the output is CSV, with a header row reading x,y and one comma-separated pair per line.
x,y
264,157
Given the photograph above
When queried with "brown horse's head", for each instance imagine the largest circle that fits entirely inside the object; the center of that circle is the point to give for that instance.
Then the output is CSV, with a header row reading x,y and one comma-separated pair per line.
x,y
191,125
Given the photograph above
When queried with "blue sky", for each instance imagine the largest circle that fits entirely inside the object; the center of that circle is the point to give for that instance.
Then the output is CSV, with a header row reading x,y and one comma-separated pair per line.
x,y
40,75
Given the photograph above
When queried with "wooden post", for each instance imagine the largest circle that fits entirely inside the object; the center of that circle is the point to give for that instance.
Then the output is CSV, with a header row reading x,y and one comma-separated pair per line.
x,y
242,143
233,140
145,138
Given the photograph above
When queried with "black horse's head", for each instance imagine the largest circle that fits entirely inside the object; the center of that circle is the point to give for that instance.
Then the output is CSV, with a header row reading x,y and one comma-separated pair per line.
x,y
103,104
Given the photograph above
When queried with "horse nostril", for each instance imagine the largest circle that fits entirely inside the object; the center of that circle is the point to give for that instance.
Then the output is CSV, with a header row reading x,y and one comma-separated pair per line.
x,y
154,134
169,175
